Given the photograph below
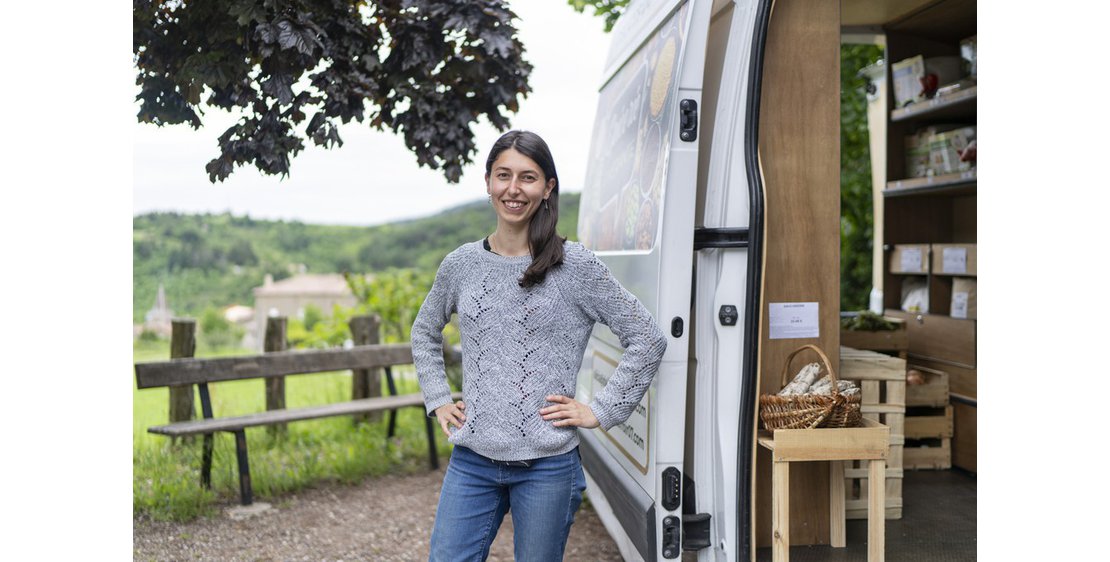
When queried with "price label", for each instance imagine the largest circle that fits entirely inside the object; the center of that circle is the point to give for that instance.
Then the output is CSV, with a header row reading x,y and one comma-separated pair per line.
x,y
955,260
911,260
791,320
959,305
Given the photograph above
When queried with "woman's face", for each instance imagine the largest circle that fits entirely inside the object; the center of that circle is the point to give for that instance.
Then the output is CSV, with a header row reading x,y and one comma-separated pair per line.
x,y
517,187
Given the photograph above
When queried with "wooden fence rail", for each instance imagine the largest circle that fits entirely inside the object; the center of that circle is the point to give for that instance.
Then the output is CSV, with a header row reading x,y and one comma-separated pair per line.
x,y
183,371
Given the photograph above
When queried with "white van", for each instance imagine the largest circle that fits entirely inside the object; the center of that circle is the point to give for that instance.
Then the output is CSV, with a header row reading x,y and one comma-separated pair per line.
x,y
728,232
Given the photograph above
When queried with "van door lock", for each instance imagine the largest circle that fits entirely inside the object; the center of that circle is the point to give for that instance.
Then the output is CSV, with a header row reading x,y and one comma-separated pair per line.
x,y
728,315
688,120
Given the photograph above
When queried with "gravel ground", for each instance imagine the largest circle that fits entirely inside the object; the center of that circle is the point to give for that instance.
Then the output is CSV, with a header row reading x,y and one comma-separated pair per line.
x,y
387,518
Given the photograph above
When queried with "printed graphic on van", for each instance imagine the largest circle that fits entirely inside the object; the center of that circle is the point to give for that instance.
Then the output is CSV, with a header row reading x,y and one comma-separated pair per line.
x,y
620,208
633,436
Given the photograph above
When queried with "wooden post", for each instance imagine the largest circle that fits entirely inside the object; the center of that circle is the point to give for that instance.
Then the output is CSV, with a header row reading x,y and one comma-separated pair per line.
x,y
366,383
780,511
275,386
876,511
183,343
838,530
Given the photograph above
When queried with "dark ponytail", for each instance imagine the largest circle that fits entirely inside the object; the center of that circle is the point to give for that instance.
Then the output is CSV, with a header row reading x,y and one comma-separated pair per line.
x,y
544,241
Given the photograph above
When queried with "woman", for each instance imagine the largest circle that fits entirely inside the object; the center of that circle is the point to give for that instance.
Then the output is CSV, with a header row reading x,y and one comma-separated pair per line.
x,y
527,301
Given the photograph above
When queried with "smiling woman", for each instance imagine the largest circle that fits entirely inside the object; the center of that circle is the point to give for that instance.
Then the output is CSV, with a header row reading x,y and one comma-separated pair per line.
x,y
527,301
524,190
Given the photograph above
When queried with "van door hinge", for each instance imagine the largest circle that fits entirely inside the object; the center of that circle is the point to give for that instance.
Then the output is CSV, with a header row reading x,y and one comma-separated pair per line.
x,y
695,531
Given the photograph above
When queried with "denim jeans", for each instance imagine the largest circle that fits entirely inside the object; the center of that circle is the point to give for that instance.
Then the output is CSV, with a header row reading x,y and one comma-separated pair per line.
x,y
543,495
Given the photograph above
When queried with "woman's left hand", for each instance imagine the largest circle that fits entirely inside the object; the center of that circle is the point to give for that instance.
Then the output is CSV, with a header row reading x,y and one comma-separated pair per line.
x,y
569,411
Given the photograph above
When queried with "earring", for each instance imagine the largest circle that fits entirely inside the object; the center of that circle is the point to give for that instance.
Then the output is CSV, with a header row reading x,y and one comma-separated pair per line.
x,y
546,207
490,198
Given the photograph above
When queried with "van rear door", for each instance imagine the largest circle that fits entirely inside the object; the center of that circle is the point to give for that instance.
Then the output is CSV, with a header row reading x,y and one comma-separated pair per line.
x,y
637,214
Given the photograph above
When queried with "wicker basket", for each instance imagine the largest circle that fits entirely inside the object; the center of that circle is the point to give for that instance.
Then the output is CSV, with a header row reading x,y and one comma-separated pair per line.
x,y
806,411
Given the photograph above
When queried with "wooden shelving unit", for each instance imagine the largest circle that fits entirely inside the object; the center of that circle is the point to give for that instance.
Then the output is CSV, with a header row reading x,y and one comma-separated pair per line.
x,y
957,105
961,183
929,211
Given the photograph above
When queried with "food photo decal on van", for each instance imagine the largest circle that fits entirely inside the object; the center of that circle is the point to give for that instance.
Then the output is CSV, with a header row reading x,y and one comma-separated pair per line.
x,y
636,117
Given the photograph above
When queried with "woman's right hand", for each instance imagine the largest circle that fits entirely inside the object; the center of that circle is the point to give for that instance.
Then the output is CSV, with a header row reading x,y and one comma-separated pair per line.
x,y
451,414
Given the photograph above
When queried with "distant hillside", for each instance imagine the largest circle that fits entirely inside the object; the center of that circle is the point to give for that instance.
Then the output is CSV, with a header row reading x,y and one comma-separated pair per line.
x,y
215,260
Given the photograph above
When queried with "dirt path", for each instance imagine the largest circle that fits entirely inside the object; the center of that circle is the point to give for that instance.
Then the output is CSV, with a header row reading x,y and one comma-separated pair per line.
x,y
387,518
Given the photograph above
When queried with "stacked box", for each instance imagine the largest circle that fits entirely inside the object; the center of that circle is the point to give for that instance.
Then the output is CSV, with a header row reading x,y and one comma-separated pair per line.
x,y
917,156
945,148
906,77
963,298
910,258
954,259
935,150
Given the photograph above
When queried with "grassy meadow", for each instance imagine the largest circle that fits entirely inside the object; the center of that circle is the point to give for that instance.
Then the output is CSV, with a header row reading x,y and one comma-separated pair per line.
x,y
166,477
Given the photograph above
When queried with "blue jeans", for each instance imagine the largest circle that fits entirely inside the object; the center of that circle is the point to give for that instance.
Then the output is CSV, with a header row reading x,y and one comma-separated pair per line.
x,y
477,491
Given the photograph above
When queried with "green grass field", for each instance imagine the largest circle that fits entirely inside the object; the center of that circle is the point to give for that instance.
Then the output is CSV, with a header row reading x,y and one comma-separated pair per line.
x,y
166,481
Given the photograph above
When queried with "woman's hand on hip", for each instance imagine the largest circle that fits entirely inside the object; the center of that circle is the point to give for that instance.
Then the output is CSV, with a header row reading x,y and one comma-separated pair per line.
x,y
448,414
568,411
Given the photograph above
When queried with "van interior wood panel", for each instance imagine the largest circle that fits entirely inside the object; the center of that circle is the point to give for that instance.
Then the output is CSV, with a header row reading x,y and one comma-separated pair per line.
x,y
856,13
799,144
964,220
918,220
946,21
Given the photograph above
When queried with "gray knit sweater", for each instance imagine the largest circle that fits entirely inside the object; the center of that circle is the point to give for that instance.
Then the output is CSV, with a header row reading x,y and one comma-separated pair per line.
x,y
521,345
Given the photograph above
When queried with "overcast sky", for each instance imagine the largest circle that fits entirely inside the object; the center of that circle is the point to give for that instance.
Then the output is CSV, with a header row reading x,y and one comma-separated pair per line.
x,y
373,178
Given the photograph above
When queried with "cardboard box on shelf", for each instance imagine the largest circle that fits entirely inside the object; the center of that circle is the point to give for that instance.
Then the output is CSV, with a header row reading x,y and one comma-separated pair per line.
x,y
954,259
917,156
963,298
906,77
945,149
910,258
936,149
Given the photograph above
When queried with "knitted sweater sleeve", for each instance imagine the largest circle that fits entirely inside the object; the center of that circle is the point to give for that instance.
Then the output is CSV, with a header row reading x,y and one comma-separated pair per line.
x,y
602,298
427,336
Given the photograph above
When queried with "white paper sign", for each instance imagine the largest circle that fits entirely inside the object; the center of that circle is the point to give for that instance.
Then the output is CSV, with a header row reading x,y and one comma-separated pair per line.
x,y
959,305
955,260
911,259
790,320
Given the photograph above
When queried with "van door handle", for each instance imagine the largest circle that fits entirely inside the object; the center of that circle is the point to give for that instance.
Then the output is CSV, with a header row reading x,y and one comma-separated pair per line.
x,y
688,120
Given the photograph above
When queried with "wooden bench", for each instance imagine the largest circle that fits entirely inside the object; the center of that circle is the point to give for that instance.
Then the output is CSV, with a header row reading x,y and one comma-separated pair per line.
x,y
201,372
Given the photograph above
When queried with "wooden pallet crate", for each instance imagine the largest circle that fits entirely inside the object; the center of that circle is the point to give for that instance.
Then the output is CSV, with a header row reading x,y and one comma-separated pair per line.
x,y
929,423
896,341
933,393
964,442
928,454
882,380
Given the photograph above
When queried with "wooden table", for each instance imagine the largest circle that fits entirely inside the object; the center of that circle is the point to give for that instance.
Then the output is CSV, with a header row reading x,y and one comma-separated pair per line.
x,y
870,441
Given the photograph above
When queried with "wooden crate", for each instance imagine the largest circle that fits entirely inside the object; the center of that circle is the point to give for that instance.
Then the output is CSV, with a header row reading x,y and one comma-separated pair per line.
x,y
933,393
928,454
897,341
882,379
929,423
964,442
